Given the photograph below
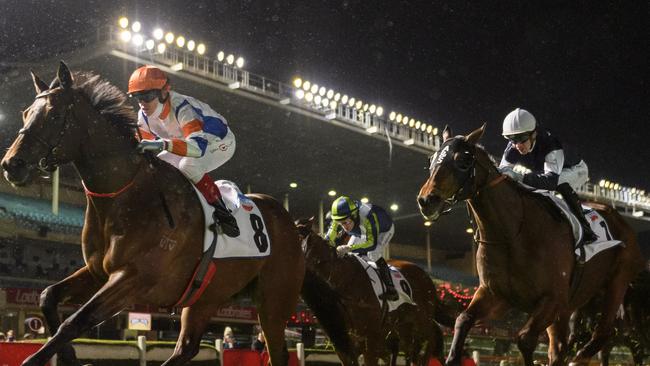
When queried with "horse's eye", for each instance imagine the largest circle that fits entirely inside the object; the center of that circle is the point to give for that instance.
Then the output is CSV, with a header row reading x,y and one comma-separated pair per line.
x,y
463,160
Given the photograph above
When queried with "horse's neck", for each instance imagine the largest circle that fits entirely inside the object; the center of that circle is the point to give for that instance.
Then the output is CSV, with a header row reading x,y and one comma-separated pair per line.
x,y
107,161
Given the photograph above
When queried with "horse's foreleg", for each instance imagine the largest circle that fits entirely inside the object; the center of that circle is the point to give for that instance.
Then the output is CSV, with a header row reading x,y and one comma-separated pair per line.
x,y
558,343
79,286
539,320
109,300
484,305
194,320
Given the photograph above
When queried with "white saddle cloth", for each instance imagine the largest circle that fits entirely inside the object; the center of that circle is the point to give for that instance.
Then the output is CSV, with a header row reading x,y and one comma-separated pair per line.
x,y
253,240
595,220
401,284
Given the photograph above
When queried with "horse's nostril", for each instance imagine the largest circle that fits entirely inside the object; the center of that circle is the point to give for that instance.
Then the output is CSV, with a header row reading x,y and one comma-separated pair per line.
x,y
422,200
12,163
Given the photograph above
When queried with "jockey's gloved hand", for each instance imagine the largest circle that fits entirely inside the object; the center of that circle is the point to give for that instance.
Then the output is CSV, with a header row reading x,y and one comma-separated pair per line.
x,y
154,146
507,170
343,250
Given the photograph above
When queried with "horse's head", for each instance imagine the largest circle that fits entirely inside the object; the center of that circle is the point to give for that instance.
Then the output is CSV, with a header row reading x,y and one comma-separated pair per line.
x,y
48,137
452,174
317,250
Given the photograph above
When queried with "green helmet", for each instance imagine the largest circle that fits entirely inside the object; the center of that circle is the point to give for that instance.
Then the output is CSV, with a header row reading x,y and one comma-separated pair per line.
x,y
344,207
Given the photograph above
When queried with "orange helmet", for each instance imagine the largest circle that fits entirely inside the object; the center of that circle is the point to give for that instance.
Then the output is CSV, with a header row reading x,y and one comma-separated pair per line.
x,y
147,78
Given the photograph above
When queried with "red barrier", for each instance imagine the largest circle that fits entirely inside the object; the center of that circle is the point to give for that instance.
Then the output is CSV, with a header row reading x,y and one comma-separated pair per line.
x,y
293,359
14,353
241,357
466,361
434,362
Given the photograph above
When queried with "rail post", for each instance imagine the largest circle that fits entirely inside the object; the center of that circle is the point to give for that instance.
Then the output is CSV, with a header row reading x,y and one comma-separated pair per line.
x,y
300,352
142,349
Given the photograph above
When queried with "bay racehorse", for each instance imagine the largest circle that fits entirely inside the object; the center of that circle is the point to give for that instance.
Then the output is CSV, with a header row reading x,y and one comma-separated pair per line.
x,y
341,296
525,257
143,230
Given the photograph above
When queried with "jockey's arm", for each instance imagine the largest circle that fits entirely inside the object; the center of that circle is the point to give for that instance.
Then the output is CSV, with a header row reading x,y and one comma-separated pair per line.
x,y
332,233
553,163
369,232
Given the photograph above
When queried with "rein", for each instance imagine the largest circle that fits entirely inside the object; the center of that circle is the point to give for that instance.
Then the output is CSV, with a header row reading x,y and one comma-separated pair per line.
x,y
110,194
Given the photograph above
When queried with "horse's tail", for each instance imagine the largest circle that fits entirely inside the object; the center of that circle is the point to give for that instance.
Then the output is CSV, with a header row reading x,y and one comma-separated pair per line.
x,y
326,305
445,315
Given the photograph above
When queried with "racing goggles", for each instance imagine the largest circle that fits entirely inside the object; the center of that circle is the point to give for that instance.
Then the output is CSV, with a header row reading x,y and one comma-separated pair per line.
x,y
519,138
146,96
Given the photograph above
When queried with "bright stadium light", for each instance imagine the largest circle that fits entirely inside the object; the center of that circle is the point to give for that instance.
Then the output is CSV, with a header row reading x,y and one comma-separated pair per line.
x,y
314,88
417,125
358,104
392,115
240,62
191,45
309,97
372,108
123,22
601,183
429,128
398,118
322,91
364,200
412,122
293,185
299,93
158,34
330,94
405,120
306,85
333,104
125,36
220,56
325,102
150,44
344,99
394,207
317,99
337,97
435,131
351,102
230,59
161,48
297,82
138,40
423,127
365,107
200,49
180,41
331,193
136,26
169,37
380,111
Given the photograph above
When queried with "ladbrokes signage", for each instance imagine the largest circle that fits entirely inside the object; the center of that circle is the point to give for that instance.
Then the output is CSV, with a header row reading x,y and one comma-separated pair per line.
x,y
22,296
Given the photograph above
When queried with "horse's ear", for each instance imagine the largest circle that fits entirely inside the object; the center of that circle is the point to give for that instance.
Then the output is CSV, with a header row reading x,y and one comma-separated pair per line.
x,y
475,135
64,76
39,84
446,133
311,220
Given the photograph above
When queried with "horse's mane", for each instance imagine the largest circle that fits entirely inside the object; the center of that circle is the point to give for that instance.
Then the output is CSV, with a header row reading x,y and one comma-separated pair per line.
x,y
107,99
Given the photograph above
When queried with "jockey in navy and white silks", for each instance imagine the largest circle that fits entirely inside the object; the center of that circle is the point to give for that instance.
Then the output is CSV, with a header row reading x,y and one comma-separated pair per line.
x,y
552,167
186,133
370,229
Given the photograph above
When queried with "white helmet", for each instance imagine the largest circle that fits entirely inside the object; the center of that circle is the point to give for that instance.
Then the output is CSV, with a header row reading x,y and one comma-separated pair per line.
x,y
518,121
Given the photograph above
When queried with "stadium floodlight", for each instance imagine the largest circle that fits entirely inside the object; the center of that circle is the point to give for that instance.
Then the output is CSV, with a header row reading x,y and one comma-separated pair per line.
x,y
169,37
427,223
351,102
380,111
394,207
123,22
150,44
136,26
306,85
325,102
230,59
358,104
344,99
435,131
297,82
138,40
372,108
299,93
314,89
423,127
200,49
429,128
469,230
309,97
158,34
417,125
364,200
180,41
392,115
398,118
220,56
331,193
125,36
293,185
317,99
191,45
322,91
601,183
330,94
161,48
337,97
333,104
239,62
365,107
405,120
412,122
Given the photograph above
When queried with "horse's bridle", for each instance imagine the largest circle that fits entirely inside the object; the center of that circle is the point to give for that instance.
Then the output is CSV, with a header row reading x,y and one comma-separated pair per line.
x,y
466,174
49,162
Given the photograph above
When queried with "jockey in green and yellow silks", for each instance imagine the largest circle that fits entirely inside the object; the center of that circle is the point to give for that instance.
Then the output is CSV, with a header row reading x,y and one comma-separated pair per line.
x,y
370,228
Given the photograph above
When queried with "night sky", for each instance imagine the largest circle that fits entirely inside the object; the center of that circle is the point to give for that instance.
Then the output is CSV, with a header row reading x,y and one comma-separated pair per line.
x,y
580,67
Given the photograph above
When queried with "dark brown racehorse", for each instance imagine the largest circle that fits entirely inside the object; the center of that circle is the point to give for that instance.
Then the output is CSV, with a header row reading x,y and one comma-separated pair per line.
x,y
140,244
525,256
341,296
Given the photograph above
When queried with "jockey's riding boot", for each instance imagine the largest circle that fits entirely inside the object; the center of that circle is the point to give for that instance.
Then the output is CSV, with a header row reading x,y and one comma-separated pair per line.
x,y
573,201
384,272
225,219
222,215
